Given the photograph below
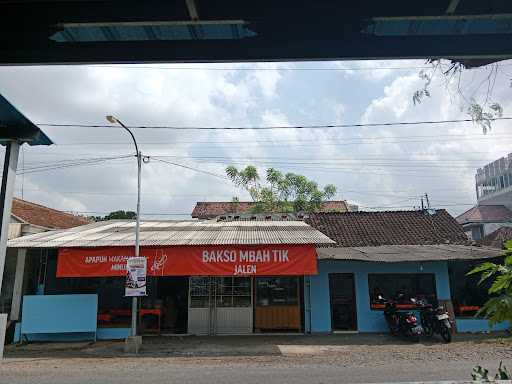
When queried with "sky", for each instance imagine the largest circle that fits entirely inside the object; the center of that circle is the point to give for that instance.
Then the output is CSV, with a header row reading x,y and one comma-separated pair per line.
x,y
375,167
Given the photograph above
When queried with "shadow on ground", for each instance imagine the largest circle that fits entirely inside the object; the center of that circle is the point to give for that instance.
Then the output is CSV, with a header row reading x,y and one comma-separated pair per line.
x,y
253,345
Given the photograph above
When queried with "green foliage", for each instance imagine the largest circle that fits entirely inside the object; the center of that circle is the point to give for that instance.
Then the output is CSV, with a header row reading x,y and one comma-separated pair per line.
x,y
285,193
499,307
482,112
481,374
116,215
484,117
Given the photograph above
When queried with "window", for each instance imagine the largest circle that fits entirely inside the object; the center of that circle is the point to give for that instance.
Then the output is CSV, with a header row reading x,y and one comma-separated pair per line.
x,y
277,291
199,292
401,287
229,292
233,292
467,295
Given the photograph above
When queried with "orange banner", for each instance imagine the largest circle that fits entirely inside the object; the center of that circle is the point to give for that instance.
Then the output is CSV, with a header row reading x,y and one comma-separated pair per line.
x,y
218,260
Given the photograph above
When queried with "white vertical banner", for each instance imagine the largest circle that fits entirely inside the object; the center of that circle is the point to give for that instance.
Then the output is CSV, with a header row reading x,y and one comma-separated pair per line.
x,y
135,276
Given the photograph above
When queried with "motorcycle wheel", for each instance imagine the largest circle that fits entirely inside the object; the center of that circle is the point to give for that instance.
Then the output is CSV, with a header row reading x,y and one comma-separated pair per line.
x,y
428,330
446,333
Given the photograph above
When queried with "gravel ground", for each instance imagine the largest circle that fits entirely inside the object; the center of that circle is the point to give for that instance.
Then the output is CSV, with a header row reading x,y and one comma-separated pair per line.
x,y
256,359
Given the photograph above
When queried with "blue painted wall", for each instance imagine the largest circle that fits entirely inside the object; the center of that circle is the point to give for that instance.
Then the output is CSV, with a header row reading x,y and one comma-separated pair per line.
x,y
101,334
59,314
479,325
367,319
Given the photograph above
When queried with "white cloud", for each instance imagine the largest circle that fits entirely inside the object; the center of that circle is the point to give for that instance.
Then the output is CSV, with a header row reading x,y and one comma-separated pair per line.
x,y
375,166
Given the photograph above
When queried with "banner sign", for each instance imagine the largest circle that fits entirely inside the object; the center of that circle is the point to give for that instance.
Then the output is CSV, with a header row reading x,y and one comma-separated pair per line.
x,y
211,260
135,276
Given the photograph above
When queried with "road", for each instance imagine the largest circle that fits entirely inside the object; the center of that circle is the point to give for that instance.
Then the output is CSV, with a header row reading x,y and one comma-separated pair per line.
x,y
261,360
260,370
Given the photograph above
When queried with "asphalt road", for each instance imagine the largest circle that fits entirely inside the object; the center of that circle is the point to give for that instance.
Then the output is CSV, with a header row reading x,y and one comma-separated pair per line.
x,y
256,359
260,370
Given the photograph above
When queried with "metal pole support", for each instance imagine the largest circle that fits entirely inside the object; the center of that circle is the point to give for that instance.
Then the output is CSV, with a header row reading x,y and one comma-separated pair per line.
x,y
12,150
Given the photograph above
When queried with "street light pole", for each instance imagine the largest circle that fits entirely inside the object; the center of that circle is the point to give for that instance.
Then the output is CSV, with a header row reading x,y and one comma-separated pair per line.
x,y
114,120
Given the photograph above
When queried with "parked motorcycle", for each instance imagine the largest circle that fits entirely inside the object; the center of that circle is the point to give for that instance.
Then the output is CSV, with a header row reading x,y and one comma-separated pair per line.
x,y
436,321
402,323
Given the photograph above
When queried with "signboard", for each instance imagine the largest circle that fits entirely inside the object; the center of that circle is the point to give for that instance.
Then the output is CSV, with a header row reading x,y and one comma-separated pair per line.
x,y
212,260
135,276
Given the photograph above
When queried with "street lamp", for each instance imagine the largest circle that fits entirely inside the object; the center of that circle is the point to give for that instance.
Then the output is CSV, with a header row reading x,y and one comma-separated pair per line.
x,y
114,120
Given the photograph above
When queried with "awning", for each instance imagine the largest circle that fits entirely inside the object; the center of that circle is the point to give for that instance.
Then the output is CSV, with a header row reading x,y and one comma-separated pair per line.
x,y
208,260
15,126
403,253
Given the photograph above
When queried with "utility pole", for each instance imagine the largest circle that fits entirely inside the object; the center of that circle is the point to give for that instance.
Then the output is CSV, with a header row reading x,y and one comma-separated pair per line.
x,y
114,120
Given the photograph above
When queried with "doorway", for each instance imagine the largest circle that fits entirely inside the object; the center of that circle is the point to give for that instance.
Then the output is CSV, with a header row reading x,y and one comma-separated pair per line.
x,y
343,302
173,293
220,305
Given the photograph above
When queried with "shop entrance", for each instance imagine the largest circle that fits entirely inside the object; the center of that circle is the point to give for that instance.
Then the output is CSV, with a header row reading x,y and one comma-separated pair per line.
x,y
343,302
220,305
172,292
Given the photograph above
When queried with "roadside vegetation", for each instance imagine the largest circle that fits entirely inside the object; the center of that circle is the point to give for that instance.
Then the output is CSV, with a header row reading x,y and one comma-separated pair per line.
x,y
499,306
283,193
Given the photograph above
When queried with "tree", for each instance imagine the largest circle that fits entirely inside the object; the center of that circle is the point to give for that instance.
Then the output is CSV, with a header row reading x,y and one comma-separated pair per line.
x,y
117,215
282,192
482,112
499,307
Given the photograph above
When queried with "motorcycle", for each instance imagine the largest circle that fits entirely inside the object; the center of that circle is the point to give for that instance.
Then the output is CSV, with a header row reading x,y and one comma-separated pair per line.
x,y
402,323
436,321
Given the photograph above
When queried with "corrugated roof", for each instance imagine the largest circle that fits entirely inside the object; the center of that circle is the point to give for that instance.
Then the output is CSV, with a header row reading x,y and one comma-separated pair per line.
x,y
404,253
168,233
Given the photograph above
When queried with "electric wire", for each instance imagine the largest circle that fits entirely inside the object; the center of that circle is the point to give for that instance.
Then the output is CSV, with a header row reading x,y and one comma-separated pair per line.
x,y
273,127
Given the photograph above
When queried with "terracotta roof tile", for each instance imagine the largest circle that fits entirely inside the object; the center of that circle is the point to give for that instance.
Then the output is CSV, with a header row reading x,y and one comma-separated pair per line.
x,y
485,213
211,209
42,216
498,237
365,229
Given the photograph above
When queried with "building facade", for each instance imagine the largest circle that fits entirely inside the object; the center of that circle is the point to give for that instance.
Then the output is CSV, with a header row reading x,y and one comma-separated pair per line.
x,y
494,183
421,254
239,277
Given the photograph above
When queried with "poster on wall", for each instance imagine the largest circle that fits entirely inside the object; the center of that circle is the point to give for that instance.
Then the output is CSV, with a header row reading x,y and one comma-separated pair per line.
x,y
135,276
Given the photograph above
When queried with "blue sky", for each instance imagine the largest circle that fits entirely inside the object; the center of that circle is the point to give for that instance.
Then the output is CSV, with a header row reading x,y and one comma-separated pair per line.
x,y
375,167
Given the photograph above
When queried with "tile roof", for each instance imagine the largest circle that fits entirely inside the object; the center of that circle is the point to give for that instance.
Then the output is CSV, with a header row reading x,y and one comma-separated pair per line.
x,y
485,213
42,216
211,209
167,233
369,229
497,238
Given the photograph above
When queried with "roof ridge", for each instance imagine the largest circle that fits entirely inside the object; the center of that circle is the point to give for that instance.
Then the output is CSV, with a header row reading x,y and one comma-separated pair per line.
x,y
47,208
